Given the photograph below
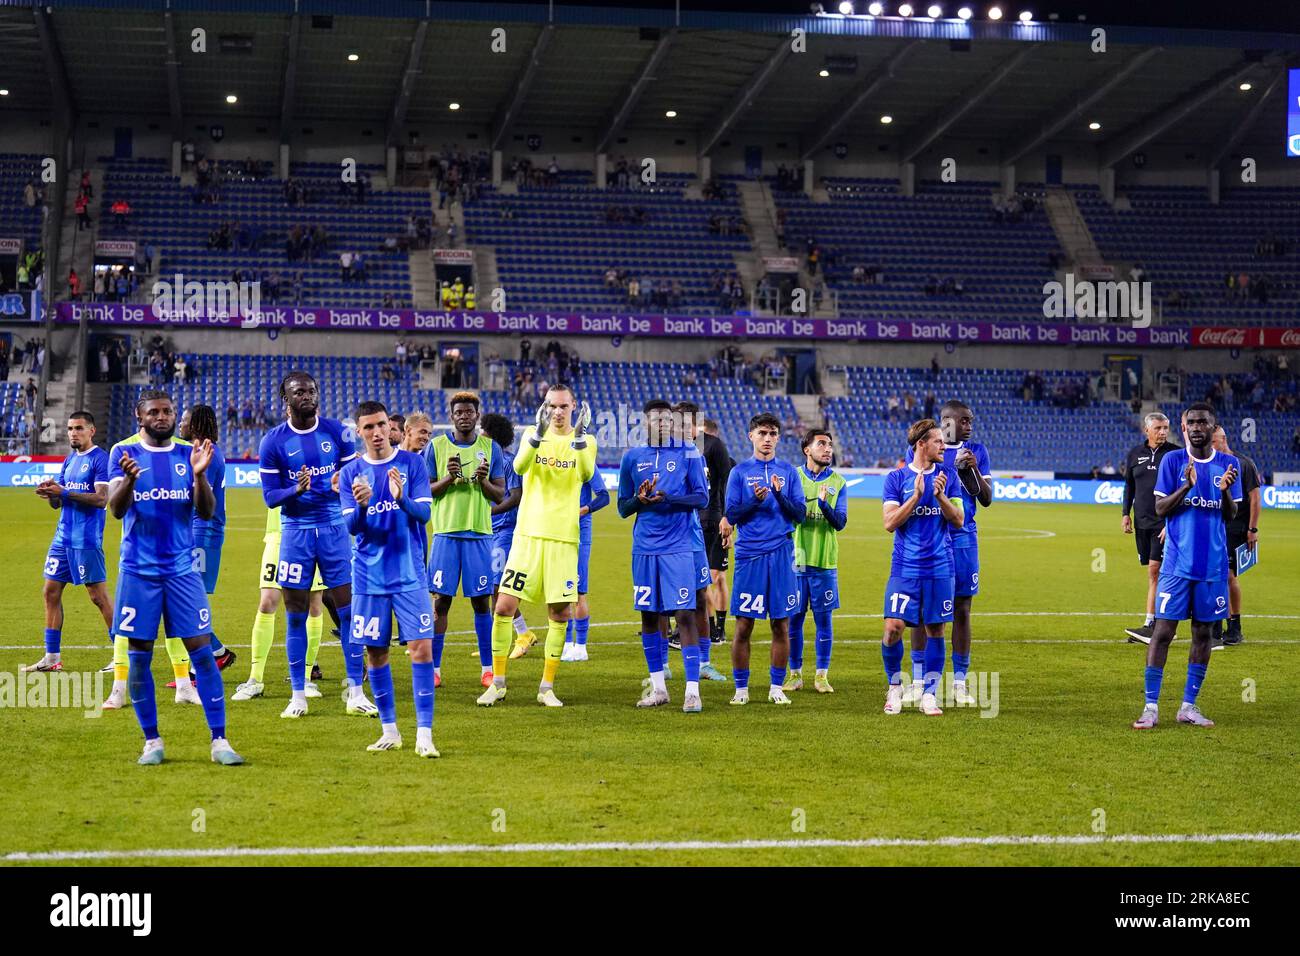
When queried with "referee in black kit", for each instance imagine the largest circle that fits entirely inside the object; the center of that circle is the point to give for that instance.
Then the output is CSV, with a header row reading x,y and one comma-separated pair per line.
x,y
1141,467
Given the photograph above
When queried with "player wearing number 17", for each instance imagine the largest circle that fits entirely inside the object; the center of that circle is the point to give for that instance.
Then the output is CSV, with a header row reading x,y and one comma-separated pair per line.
x,y
1197,488
386,501
920,515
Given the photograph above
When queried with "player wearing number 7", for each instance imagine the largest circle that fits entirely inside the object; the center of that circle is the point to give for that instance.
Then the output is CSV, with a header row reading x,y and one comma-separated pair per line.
x,y
555,458
1196,489
764,503
920,515
384,497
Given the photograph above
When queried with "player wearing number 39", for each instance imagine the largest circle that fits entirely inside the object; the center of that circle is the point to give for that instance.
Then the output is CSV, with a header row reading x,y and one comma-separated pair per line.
x,y
764,503
920,515
1197,488
555,458
385,500
156,487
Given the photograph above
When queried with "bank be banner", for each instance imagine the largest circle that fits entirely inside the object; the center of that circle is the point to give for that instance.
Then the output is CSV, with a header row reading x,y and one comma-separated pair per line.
x,y
1293,114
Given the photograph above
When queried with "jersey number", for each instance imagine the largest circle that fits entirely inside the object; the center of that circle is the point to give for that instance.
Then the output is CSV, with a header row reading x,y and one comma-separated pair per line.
x,y
751,603
898,603
513,580
437,578
640,594
52,566
291,572
365,627
127,621
1164,600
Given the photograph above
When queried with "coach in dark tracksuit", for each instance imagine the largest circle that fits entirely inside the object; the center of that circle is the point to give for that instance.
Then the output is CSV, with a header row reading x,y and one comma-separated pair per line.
x,y
1140,470
1242,529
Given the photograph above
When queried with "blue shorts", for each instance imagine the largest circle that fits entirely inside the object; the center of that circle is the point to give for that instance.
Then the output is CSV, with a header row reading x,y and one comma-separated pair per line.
x,y
819,589
372,617
466,562
1177,599
966,577
304,551
584,559
206,555
501,541
75,565
179,601
764,585
919,600
663,583
702,576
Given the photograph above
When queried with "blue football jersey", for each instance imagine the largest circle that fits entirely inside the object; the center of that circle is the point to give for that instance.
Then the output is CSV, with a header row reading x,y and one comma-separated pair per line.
x,y
966,535
922,543
763,526
389,554
285,452
663,528
156,535
81,526
1196,542
593,491
506,520
216,525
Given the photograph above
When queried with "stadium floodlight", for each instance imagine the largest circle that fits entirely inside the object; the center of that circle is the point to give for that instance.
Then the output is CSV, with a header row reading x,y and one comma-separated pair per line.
x,y
4,92
886,119
671,114
1245,87
453,106
1025,16
823,72
846,8
965,13
995,13
935,11
1094,126
904,9
352,57
876,9
232,99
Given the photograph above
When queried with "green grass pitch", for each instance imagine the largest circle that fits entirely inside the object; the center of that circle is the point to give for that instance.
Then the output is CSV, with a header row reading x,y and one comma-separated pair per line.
x,y
1058,760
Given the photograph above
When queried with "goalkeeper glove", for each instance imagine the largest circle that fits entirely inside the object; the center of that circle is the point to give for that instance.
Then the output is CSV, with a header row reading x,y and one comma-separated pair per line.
x,y
543,419
580,431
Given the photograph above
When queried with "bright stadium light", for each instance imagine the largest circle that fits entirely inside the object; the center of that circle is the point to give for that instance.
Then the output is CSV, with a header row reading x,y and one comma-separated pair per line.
x,y
1094,126
453,106
886,119
671,114
823,72
1025,16
846,8
995,13
1245,87
935,11
876,9
352,57
232,99
905,10
965,13
4,92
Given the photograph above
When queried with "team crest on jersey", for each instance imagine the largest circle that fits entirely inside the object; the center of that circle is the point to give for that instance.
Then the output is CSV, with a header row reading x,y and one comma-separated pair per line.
x,y
830,595
81,570
568,586
672,466
1220,602
482,580
180,468
85,466
682,594
947,607
424,620
203,616
1218,482
326,447
791,600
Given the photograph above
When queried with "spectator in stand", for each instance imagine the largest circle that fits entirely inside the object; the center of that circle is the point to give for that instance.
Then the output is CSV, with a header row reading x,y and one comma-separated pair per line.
x,y
346,260
121,212
181,368
400,351
82,206
74,285
232,415
246,413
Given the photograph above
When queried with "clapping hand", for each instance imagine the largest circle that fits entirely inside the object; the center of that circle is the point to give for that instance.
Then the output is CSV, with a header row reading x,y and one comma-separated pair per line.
x,y
940,483
361,491
649,493
201,456
395,484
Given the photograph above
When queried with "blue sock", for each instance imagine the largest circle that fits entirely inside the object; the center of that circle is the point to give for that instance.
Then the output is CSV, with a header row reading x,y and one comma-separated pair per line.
x,y
295,645
214,642
892,655
568,632
381,685
654,658
822,620
796,640
211,690
580,628
960,665
663,650
140,684
53,638
439,640
741,677
422,684
1195,678
482,634
776,675
1154,675
353,651
935,654
691,662
918,666
705,647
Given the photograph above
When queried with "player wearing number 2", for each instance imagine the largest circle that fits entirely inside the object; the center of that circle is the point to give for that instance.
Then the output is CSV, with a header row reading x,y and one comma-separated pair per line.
x,y
919,514
1196,489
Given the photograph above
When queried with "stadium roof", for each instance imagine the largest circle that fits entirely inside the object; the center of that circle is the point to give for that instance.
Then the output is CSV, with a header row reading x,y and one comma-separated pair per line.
x,y
1012,86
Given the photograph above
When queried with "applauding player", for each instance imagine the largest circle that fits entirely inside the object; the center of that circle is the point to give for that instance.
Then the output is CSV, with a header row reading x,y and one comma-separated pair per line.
x,y
919,514
156,494
764,502
385,500
1197,487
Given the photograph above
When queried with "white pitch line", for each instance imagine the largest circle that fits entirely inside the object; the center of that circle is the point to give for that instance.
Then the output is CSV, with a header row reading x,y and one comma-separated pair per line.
x,y
650,846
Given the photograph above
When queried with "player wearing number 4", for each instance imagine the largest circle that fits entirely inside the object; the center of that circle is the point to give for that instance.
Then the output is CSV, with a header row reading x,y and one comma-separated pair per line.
x,y
919,514
385,500
467,477
764,503
155,488
816,550
1196,489
555,458
298,459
